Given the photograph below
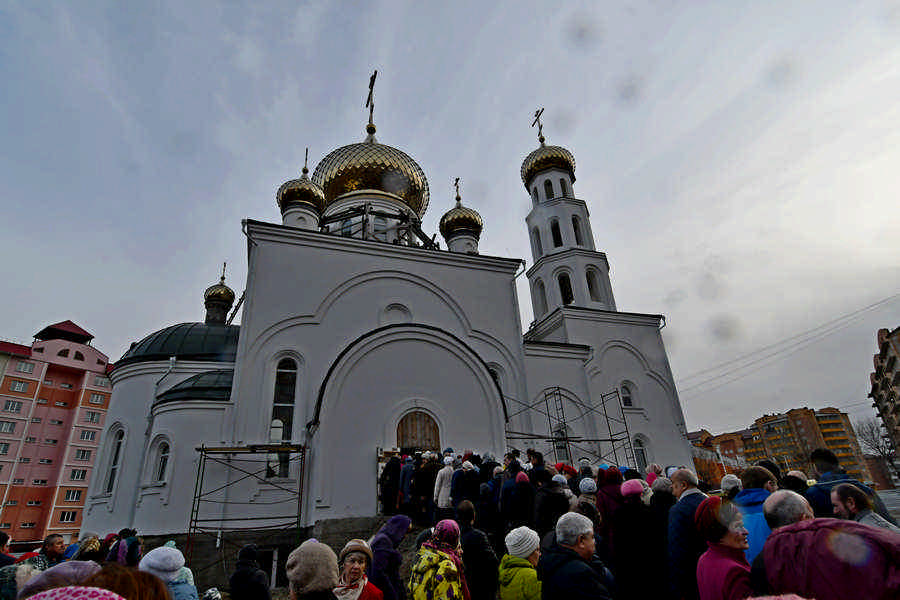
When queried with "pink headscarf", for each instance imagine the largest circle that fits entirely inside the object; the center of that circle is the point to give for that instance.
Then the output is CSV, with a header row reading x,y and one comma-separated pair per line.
x,y
446,539
77,592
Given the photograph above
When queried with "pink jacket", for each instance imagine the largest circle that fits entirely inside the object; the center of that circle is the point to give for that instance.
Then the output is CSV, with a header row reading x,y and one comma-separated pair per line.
x,y
723,573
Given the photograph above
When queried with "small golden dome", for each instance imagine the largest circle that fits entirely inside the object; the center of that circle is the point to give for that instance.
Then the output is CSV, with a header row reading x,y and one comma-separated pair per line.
x,y
302,192
372,166
546,157
460,219
219,291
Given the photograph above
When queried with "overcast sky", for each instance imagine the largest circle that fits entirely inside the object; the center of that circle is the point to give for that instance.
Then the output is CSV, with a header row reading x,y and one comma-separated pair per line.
x,y
741,164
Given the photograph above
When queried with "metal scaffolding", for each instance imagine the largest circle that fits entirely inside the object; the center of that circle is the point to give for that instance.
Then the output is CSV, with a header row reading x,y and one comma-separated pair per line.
x,y
615,449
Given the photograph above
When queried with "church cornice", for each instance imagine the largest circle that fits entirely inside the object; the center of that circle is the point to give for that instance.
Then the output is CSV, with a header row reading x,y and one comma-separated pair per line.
x,y
283,234
534,348
611,316
564,254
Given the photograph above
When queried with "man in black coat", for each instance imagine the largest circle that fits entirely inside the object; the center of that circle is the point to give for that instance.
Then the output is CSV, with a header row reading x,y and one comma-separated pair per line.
x,y
685,542
249,582
477,554
569,570
550,503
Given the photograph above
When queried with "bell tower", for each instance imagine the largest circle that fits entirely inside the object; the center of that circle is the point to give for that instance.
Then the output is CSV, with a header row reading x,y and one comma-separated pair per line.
x,y
567,269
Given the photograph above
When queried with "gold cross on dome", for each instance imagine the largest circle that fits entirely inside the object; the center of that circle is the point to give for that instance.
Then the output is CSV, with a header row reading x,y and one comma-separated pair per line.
x,y
456,185
537,121
370,99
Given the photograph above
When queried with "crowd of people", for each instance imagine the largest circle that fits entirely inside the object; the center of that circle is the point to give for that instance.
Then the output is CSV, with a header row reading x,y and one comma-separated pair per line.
x,y
525,530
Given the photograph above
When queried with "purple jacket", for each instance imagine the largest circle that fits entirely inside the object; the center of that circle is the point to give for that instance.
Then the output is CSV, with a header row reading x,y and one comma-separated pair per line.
x,y
723,573
829,559
384,572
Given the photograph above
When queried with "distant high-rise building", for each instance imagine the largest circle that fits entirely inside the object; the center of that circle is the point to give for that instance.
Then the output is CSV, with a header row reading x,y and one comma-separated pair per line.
x,y
53,400
886,383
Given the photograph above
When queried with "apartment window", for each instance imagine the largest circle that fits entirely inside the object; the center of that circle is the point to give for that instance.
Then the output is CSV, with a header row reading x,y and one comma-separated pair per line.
x,y
55,422
58,403
45,461
78,474
18,386
4,448
7,427
41,350
48,382
30,439
92,417
18,481
96,399
24,459
12,503
39,481
67,516
101,381
13,406
5,525
42,401
25,367
27,525
51,441
100,362
78,355
88,436
66,386
33,503
73,495
64,353
82,455
36,420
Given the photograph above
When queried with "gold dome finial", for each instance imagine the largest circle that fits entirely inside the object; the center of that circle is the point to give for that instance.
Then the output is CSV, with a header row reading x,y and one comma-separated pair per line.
x,y
537,121
301,191
218,299
460,220
370,104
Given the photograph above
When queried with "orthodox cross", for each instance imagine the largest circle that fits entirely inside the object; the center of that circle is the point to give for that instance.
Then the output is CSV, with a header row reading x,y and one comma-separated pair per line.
x,y
537,121
305,161
370,99
456,185
223,271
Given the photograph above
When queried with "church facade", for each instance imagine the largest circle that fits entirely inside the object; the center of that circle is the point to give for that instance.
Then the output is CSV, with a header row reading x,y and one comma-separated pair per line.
x,y
359,334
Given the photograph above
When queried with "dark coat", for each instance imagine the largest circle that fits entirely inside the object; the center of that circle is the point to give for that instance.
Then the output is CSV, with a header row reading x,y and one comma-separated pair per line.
x,y
6,559
565,575
406,478
249,582
550,503
633,531
609,500
384,572
518,510
819,495
390,485
480,562
685,547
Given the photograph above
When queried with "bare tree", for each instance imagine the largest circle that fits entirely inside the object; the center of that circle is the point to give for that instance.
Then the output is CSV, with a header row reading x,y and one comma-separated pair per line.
x,y
873,441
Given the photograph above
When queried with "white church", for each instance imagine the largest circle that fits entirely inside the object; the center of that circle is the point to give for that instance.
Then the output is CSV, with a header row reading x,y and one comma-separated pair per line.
x,y
359,335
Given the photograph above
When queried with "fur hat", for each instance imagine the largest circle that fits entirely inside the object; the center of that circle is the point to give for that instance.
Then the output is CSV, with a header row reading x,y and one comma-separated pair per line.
x,y
632,486
312,567
588,486
164,562
356,545
521,542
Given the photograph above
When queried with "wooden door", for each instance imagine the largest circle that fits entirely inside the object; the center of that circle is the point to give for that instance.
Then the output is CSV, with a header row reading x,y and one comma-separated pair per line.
x,y
418,431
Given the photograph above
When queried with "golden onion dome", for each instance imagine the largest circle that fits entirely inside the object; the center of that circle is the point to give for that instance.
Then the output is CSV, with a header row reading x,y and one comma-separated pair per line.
x,y
459,220
301,192
546,157
372,166
220,292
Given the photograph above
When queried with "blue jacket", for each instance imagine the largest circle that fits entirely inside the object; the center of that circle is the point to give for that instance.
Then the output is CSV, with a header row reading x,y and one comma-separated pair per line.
x,y
750,503
685,547
182,591
819,495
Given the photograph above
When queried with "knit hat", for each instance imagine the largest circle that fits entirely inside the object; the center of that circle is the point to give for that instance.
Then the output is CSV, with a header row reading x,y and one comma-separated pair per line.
x,y
522,478
164,562
356,545
77,592
730,482
448,460
632,486
521,542
312,567
73,571
248,553
587,486
561,479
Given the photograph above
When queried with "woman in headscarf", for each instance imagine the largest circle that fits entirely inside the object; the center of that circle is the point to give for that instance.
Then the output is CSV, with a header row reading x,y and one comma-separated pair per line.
x,y
438,573
353,584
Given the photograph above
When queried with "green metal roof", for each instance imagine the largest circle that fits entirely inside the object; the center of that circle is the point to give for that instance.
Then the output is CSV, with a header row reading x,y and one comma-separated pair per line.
x,y
214,342
211,385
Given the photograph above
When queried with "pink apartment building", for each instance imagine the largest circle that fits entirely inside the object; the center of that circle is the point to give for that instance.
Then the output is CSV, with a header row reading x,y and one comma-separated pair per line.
x,y
53,400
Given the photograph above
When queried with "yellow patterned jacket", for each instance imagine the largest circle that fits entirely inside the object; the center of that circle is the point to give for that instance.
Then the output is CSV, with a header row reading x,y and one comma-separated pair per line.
x,y
435,577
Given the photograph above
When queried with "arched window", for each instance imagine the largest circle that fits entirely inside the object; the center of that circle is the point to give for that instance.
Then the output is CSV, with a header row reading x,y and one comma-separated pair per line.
x,y
115,459
593,285
534,194
78,356
536,240
576,227
64,353
281,428
555,233
380,229
541,298
496,377
161,462
561,444
548,189
565,288
627,393
346,228
640,455
563,190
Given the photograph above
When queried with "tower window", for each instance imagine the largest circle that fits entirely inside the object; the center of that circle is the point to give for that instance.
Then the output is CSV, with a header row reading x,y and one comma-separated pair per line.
x,y
114,461
548,189
593,285
536,240
63,353
555,233
576,227
346,227
563,190
534,194
79,355
640,455
627,395
565,288
282,425
380,229
541,298
162,461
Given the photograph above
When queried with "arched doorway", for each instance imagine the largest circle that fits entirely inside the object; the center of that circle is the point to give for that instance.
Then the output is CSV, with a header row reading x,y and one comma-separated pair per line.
x,y
417,430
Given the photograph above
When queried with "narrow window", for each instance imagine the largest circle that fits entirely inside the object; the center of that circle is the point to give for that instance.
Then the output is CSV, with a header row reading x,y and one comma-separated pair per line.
x,y
593,285
346,227
548,189
555,233
114,461
627,399
536,240
380,229
541,295
563,190
162,461
282,415
534,194
79,355
576,227
565,289
640,455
